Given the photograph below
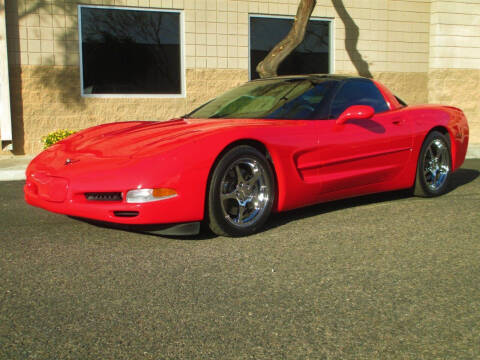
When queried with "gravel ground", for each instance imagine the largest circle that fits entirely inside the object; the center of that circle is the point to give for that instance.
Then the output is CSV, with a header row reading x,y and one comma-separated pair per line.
x,y
386,276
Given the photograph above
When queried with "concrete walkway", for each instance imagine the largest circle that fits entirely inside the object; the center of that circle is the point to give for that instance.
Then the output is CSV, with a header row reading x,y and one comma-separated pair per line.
x,y
12,167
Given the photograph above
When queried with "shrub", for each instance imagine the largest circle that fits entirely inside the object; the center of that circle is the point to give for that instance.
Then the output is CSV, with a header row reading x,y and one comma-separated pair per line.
x,y
56,136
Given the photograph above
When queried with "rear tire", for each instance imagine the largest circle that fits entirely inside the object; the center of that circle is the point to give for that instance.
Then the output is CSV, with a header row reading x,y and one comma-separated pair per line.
x,y
241,192
434,166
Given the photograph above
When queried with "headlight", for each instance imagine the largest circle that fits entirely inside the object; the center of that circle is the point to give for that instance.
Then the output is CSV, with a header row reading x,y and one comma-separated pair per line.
x,y
148,195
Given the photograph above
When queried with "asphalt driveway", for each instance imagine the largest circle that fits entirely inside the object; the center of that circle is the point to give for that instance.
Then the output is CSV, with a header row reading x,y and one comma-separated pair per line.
x,y
385,276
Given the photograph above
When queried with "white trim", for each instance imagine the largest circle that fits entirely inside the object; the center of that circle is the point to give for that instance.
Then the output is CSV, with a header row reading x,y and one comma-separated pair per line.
x,y
331,48
331,41
143,96
80,47
5,109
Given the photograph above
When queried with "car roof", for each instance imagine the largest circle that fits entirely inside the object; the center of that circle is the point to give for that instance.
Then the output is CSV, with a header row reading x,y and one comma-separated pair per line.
x,y
313,77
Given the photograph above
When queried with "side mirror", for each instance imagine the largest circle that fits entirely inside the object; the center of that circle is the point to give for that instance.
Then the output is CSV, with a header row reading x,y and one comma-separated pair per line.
x,y
356,112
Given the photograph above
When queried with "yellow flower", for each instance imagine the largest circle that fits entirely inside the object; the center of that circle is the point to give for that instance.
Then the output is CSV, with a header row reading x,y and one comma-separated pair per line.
x,y
55,136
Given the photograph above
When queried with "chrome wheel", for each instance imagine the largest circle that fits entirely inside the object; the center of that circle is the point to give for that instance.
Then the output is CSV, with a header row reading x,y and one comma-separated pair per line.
x,y
241,192
436,164
244,192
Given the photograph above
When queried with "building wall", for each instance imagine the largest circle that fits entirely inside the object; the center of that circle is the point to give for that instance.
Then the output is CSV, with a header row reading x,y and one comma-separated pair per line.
x,y
393,45
393,41
454,74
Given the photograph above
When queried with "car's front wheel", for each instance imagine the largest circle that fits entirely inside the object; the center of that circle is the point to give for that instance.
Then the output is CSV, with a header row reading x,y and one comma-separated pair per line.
x,y
241,192
434,166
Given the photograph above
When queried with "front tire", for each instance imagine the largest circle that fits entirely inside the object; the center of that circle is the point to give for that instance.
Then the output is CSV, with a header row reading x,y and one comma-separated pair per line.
x,y
241,192
434,166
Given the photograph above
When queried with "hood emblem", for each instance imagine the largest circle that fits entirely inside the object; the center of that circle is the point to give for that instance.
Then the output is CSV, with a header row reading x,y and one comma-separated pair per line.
x,y
70,161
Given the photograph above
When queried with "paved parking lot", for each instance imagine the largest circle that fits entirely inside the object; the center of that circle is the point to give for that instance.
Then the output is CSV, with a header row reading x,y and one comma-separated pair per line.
x,y
385,276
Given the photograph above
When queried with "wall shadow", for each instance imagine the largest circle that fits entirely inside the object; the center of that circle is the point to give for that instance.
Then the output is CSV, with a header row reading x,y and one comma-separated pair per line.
x,y
352,33
64,78
61,78
12,19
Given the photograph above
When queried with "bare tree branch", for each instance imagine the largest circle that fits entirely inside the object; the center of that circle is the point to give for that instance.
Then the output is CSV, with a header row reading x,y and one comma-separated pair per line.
x,y
269,66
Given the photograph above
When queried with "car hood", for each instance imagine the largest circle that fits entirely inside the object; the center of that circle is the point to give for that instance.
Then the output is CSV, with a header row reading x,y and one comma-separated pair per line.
x,y
145,137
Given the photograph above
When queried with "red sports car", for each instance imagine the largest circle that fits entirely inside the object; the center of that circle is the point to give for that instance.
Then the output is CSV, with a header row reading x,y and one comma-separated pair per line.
x,y
269,145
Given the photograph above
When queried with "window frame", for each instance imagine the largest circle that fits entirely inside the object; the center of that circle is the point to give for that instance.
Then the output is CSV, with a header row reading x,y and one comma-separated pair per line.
x,y
181,30
331,40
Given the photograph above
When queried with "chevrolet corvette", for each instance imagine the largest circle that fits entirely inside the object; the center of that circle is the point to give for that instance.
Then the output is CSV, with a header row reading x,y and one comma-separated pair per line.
x,y
267,146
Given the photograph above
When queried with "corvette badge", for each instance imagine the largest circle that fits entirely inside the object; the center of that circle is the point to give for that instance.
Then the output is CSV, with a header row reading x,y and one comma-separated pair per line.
x,y
70,161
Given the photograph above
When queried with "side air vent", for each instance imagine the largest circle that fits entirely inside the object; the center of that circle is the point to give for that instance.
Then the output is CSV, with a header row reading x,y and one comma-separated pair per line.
x,y
104,196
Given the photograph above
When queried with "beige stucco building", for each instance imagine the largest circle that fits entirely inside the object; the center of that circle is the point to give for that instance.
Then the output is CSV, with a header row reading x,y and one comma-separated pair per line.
x,y
426,51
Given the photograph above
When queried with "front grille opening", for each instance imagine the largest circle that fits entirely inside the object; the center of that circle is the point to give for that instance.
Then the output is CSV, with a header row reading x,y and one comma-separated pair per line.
x,y
126,213
103,196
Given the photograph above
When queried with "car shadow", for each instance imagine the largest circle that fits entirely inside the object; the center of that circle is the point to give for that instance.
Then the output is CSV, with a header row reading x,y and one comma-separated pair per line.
x,y
151,230
368,124
286,217
460,178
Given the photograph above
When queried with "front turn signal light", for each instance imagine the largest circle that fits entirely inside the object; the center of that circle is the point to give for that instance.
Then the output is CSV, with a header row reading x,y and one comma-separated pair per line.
x,y
149,195
163,192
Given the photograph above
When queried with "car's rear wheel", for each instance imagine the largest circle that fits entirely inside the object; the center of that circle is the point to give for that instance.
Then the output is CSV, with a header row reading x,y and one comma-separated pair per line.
x,y
434,166
241,192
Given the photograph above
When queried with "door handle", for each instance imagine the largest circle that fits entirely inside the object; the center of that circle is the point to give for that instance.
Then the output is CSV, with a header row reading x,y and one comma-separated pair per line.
x,y
397,122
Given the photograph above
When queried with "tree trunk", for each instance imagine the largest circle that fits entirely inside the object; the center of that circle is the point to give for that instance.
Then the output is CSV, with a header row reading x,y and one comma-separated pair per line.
x,y
268,67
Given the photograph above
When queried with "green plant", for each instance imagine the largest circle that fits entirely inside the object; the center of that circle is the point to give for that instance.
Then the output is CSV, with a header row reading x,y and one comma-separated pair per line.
x,y
56,136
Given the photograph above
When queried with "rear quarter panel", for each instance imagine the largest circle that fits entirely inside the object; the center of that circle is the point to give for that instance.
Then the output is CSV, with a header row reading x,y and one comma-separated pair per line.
x,y
426,118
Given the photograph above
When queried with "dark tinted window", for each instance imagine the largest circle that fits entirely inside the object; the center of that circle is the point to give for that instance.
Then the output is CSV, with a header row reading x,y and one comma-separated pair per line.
x,y
357,92
130,51
271,99
309,105
310,57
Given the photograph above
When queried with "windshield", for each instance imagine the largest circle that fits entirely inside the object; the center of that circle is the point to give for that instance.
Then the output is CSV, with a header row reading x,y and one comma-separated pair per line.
x,y
268,99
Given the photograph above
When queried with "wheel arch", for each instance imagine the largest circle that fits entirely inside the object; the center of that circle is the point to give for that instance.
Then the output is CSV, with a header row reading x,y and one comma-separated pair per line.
x,y
251,142
258,145
444,130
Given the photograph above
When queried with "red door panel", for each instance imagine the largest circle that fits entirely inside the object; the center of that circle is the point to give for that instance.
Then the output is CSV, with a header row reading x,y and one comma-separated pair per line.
x,y
360,152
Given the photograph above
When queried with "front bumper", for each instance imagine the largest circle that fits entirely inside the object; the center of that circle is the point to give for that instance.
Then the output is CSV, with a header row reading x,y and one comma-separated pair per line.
x,y
59,195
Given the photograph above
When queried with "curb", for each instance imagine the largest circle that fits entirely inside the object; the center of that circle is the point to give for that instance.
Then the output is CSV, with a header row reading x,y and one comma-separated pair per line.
x,y
473,152
12,167
12,175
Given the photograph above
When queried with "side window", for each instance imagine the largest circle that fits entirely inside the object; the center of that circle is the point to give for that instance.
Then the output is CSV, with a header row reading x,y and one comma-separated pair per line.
x,y
309,105
357,92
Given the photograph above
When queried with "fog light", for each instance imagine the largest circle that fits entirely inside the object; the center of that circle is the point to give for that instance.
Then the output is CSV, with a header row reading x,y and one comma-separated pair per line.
x,y
148,195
